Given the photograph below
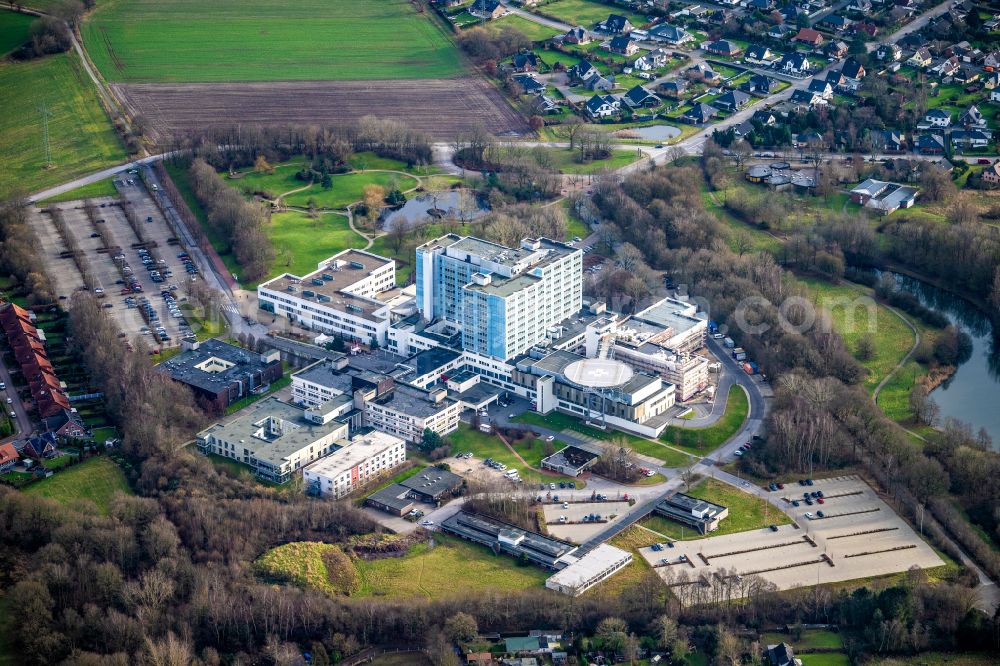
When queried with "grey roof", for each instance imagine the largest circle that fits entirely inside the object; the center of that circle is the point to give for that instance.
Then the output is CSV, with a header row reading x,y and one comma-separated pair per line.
x,y
482,529
394,496
412,401
326,374
669,32
431,359
194,368
433,482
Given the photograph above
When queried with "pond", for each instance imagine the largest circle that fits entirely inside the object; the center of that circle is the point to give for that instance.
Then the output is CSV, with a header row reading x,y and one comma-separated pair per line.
x,y
971,394
656,132
460,204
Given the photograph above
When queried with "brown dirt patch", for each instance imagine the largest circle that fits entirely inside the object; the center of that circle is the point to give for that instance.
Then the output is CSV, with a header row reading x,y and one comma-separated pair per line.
x,y
441,107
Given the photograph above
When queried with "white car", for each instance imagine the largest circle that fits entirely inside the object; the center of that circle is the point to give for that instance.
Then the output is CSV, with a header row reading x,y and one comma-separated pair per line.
x,y
511,416
565,505
738,452
9,401
550,438
809,515
426,523
13,415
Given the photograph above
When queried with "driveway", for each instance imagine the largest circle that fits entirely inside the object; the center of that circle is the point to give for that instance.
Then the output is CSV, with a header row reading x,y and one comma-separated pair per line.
x,y
23,423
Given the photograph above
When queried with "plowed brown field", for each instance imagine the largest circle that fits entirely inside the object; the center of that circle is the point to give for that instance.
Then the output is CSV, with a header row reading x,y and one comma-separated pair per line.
x,y
441,107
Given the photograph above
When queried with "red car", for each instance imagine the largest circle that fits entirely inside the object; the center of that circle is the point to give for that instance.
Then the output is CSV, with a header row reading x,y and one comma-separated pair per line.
x,y
983,160
820,500
781,486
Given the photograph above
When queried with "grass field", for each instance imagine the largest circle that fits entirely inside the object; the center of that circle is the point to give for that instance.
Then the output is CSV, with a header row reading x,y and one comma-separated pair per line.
x,y
451,566
301,242
934,659
102,188
700,441
348,188
13,30
825,659
81,138
489,446
810,639
402,659
192,41
96,480
533,31
321,566
637,573
564,161
746,512
588,12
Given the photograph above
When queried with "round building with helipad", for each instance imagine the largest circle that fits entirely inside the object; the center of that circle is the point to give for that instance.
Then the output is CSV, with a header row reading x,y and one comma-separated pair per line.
x,y
598,372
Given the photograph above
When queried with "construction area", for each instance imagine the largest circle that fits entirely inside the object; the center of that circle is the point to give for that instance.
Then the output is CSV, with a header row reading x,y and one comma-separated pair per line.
x,y
124,252
852,534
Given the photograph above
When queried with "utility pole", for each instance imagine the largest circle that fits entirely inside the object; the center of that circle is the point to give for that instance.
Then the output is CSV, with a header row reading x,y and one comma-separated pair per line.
x,y
43,110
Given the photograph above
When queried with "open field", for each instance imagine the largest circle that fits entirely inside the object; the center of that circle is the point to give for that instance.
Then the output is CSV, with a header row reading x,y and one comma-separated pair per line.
x,y
13,30
144,41
746,512
588,12
102,188
563,160
402,659
484,446
824,659
81,138
448,567
349,188
443,108
935,659
810,639
859,537
700,441
96,480
301,242
533,31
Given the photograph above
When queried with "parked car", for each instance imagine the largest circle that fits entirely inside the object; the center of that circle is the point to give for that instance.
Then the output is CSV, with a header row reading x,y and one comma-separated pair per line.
x,y
774,528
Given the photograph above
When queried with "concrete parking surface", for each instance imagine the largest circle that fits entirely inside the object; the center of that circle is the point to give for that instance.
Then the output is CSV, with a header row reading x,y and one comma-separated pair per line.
x,y
860,536
575,512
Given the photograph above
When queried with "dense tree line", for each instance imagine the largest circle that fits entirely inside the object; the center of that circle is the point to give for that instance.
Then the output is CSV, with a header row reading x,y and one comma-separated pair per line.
x,y
239,147
487,47
234,219
20,256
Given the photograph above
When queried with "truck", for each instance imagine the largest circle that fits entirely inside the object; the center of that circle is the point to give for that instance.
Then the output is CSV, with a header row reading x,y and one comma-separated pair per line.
x,y
754,367
739,354
728,342
747,368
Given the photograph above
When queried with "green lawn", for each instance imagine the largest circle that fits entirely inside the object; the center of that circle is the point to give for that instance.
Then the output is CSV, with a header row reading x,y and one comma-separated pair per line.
x,y
97,480
348,188
533,31
81,138
448,568
489,446
13,30
301,242
825,659
810,639
102,188
281,179
746,512
588,12
575,227
242,403
701,441
854,314
148,41
564,161
366,160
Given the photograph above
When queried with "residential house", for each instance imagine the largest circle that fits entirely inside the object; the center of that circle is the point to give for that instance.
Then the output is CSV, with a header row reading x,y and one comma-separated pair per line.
x,y
602,106
699,114
883,196
670,34
758,83
763,117
781,31
837,80
782,654
27,344
991,175
945,67
836,22
623,45
805,98
581,71
758,54
969,139
734,100
821,88
743,129
836,49
487,9
888,52
655,59
724,47
704,70
640,98
525,62
577,35
991,80
921,58
972,118
529,84
39,446
8,457
66,424
995,95
545,104
853,70
966,74
598,83
762,6
860,6
615,24
674,87
809,37
891,141
991,62
795,63
930,144
804,139
937,118
866,28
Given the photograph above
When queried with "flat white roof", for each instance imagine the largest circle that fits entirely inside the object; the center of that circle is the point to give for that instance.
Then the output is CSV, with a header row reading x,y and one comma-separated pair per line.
x,y
580,572
360,448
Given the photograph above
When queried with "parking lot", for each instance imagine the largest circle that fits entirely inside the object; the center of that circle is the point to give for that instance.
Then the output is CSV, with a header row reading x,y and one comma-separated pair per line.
x,y
858,536
576,529
142,284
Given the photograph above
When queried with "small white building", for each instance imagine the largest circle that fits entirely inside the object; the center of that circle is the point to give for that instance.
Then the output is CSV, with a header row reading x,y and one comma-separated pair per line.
x,y
363,459
583,573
